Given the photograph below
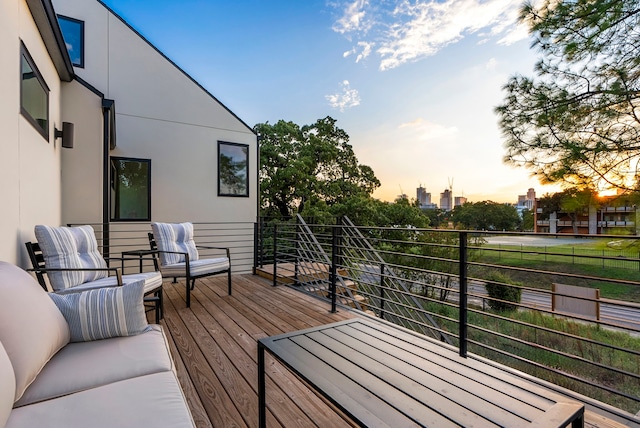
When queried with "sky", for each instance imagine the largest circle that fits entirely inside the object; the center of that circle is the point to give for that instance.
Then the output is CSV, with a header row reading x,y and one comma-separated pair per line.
x,y
413,83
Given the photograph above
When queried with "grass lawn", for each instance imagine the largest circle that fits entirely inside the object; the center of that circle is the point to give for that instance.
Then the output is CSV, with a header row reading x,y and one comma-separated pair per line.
x,y
594,259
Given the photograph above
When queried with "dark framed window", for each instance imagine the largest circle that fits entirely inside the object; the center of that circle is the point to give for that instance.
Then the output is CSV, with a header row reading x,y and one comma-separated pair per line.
x,y
130,189
34,94
233,169
73,33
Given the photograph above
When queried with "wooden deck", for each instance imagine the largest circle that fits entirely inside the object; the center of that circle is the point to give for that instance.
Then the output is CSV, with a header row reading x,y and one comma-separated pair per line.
x,y
214,345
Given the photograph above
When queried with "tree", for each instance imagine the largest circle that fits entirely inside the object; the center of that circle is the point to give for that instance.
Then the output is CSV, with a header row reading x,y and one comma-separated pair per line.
x,y
436,216
310,168
528,220
578,122
486,215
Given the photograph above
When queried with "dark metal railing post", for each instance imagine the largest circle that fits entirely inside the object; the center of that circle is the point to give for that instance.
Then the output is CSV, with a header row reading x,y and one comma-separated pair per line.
x,y
255,247
275,252
382,286
261,246
297,255
334,260
463,295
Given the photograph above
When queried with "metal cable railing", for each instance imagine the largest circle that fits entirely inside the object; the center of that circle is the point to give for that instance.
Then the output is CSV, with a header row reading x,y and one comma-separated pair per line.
x,y
443,283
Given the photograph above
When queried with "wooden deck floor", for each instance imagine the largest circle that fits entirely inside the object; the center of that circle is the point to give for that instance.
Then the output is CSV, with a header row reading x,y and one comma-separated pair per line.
x,y
214,345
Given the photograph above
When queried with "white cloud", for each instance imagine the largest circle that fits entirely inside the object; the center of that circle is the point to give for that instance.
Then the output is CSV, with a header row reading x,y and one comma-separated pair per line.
x,y
491,64
414,29
363,47
345,98
353,18
425,130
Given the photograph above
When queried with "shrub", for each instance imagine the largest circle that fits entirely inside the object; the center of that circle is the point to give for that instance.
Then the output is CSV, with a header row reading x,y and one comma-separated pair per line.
x,y
501,287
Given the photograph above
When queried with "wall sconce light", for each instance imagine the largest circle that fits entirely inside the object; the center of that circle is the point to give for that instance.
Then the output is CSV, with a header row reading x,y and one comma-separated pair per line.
x,y
66,134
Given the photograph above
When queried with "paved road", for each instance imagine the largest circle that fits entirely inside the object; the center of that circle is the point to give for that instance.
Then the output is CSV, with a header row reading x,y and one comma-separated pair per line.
x,y
624,314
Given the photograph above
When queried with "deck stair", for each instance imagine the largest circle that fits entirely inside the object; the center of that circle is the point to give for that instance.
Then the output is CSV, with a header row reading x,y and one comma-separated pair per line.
x,y
315,278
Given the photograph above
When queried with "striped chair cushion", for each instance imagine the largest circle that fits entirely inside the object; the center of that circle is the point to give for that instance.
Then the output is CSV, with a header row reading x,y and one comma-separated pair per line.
x,y
152,281
104,312
174,237
197,268
70,247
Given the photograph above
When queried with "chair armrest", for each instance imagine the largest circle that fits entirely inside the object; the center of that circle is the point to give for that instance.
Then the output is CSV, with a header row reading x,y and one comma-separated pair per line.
x,y
116,270
173,252
186,259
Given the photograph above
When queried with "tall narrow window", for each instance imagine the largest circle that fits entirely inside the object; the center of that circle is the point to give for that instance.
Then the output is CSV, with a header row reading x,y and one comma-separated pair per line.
x,y
34,94
130,189
73,33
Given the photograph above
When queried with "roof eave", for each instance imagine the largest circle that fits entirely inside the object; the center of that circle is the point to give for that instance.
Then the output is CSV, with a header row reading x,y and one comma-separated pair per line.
x,y
47,22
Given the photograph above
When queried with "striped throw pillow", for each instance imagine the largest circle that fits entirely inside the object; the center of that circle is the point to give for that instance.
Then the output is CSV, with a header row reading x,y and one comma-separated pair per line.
x,y
104,312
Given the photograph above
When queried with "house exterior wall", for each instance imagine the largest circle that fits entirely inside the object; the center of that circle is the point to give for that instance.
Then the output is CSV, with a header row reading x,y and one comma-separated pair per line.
x,y
29,164
82,165
161,114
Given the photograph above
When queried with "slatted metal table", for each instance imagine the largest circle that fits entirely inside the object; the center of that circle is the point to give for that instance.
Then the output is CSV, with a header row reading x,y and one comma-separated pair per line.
x,y
382,376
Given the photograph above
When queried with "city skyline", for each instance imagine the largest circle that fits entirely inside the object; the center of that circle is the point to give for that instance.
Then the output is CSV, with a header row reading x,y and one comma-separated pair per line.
x,y
448,198
413,84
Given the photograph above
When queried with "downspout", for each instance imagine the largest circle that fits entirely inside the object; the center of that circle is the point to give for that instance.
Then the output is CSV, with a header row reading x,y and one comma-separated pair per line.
x,y
108,143
257,230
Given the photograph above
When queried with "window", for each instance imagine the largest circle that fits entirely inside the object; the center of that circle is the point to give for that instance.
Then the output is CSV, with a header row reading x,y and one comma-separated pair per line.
x,y
73,33
34,94
233,169
130,189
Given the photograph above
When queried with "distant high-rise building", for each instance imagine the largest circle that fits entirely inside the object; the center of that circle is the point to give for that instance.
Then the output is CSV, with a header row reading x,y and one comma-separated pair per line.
x,y
446,200
526,201
459,200
424,198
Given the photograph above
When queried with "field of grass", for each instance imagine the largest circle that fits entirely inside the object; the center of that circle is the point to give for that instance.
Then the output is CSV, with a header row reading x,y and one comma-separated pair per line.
x,y
587,260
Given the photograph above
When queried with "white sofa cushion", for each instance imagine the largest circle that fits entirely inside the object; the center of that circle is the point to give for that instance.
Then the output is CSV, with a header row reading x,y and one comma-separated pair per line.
x,y
84,365
154,400
32,329
104,312
7,386
70,247
174,237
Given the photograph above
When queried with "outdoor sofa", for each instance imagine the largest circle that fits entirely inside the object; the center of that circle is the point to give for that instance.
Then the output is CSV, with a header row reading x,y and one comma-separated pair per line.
x,y
72,364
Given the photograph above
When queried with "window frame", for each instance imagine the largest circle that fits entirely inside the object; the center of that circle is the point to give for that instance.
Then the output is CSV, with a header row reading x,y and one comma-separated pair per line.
x,y
221,144
112,189
44,131
81,41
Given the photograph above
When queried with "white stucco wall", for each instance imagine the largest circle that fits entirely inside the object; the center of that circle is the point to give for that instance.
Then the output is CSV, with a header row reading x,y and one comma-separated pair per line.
x,y
82,165
162,115
29,164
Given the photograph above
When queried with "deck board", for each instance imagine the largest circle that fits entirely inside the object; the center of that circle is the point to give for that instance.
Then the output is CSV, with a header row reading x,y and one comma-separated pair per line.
x,y
214,345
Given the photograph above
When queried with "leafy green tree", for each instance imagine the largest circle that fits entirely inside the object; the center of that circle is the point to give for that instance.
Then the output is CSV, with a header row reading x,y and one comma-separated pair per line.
x,y
577,122
310,168
486,215
528,220
437,217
